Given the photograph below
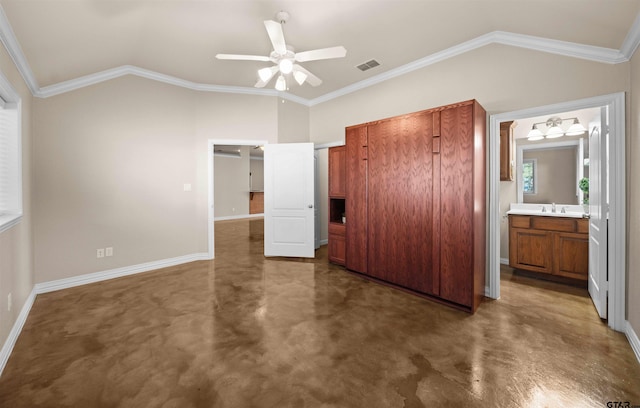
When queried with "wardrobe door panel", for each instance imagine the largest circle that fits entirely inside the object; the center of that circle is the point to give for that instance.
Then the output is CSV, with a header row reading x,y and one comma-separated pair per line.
x,y
456,204
400,201
356,199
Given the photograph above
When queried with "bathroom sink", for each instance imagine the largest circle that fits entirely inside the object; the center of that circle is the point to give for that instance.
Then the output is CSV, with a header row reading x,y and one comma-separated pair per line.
x,y
569,214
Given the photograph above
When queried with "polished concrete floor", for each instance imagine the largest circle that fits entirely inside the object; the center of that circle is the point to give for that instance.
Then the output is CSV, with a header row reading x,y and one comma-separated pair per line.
x,y
245,331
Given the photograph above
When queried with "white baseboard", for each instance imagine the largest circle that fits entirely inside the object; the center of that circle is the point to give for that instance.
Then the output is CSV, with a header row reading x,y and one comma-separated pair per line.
x,y
59,284
7,348
504,261
324,242
238,217
633,339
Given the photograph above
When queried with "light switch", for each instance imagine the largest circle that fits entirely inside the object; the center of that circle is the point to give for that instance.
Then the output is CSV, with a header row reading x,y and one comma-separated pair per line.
x,y
187,187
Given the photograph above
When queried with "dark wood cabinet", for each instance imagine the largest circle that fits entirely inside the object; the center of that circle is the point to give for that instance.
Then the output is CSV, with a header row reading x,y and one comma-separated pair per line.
x,y
337,180
415,202
356,198
337,205
553,246
507,151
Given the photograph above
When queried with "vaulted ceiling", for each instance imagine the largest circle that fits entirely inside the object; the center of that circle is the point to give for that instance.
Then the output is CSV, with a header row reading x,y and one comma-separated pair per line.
x,y
64,40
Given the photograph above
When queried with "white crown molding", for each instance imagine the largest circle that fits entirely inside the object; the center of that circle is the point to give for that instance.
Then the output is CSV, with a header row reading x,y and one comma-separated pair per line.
x,y
8,38
588,52
570,49
7,348
632,40
79,280
92,79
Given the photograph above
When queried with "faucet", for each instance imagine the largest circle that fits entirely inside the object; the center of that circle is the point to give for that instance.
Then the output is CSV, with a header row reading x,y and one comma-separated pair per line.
x,y
553,207
564,210
544,209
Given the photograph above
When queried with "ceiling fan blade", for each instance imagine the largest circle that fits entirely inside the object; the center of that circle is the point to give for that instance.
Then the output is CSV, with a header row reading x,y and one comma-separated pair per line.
x,y
311,79
323,53
242,57
276,36
268,74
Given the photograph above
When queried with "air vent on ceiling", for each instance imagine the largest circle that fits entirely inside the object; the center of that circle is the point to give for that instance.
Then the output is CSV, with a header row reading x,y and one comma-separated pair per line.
x,y
368,65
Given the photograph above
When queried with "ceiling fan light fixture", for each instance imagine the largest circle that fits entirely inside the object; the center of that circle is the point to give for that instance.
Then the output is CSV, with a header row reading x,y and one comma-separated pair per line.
x,y
281,84
300,77
286,66
265,74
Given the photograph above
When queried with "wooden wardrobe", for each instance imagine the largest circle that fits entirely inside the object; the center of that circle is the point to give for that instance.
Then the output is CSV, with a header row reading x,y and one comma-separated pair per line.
x,y
415,202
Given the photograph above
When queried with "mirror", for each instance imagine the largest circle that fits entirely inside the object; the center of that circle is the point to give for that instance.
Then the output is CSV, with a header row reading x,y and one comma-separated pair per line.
x,y
549,170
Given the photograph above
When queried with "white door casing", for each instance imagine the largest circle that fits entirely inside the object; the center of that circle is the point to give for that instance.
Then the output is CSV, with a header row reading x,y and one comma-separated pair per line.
x,y
598,214
289,191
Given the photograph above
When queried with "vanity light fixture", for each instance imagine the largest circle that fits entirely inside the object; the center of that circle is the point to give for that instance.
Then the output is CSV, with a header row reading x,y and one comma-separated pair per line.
x,y
554,129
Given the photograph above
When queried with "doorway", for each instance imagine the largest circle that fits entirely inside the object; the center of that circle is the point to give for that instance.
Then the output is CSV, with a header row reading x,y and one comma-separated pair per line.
x,y
210,183
616,263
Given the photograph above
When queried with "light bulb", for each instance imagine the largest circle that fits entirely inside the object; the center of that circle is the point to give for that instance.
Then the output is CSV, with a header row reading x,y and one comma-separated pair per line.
x,y
286,66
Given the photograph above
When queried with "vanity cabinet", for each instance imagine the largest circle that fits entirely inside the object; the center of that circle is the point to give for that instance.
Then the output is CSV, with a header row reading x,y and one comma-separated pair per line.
x,y
337,193
415,202
555,246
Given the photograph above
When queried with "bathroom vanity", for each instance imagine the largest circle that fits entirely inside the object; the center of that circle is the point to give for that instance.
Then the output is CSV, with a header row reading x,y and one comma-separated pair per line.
x,y
553,244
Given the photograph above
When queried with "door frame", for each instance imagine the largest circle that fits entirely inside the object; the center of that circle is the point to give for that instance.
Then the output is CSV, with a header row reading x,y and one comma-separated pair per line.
x,y
617,191
210,187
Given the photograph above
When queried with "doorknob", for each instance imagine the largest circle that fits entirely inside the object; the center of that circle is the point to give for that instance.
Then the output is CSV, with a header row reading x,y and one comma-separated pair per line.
x,y
310,205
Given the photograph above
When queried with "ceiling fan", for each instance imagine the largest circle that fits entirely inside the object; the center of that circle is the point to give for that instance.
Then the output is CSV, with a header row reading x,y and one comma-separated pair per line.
x,y
285,59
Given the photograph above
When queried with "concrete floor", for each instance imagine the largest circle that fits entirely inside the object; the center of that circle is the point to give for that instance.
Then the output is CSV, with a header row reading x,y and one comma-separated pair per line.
x,y
245,331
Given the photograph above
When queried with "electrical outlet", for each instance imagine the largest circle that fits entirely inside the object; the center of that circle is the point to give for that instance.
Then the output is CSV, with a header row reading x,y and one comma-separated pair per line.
x,y
100,253
233,209
9,302
108,251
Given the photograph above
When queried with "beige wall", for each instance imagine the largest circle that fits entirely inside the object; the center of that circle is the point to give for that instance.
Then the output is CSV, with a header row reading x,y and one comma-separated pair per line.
x,y
556,176
633,197
16,243
293,122
231,184
111,161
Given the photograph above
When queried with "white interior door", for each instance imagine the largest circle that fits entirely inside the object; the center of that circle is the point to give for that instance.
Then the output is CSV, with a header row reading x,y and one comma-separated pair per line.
x,y
289,200
598,209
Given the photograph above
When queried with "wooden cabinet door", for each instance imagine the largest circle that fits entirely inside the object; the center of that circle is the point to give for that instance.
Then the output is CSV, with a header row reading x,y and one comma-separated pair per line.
x,y
400,201
531,250
457,204
507,151
337,172
571,255
356,199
